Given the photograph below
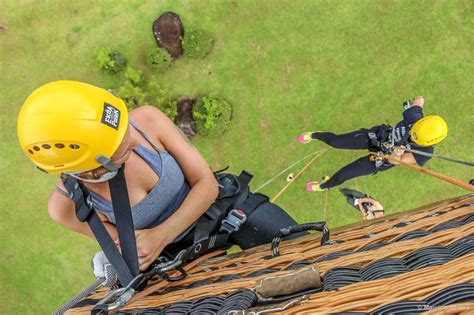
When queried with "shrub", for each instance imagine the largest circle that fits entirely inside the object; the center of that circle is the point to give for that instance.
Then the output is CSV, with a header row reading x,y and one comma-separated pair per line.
x,y
149,92
132,95
212,116
111,61
197,43
135,77
160,98
158,59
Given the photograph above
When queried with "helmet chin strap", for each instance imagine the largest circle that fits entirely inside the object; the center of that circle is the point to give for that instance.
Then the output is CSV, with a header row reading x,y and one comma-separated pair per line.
x,y
105,162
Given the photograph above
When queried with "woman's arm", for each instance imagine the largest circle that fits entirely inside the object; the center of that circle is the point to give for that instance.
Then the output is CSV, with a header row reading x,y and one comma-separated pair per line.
x,y
203,184
62,210
203,191
399,154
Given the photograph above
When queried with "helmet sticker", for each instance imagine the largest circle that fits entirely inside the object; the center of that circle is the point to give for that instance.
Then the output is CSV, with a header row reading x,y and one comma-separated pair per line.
x,y
110,116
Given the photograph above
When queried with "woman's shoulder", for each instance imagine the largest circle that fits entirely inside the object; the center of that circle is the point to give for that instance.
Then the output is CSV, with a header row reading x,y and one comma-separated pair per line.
x,y
146,118
146,113
152,122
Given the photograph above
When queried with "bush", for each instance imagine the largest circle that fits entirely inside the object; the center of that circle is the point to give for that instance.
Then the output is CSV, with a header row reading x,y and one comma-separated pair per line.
x,y
111,61
197,43
212,116
160,98
158,59
149,92
135,77
132,95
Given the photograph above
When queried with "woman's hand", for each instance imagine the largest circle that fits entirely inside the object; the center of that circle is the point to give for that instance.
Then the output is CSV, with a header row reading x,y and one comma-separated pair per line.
x,y
150,244
372,205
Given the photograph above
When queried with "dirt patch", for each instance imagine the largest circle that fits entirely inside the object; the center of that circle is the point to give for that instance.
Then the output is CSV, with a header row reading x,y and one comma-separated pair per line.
x,y
184,120
168,31
2,28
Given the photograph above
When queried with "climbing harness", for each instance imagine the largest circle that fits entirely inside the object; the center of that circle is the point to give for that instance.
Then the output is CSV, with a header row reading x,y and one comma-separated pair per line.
x,y
383,140
233,221
213,229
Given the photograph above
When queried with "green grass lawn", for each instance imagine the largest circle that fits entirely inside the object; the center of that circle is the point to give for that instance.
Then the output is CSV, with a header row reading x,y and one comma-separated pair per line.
x,y
285,66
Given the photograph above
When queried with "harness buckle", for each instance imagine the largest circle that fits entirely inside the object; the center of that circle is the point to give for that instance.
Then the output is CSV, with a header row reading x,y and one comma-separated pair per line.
x,y
387,147
378,159
233,221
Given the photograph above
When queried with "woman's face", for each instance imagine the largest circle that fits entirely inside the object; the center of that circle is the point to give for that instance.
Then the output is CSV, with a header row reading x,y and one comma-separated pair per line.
x,y
120,156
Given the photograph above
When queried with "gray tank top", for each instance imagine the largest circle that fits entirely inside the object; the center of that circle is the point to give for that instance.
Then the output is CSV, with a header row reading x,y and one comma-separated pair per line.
x,y
165,197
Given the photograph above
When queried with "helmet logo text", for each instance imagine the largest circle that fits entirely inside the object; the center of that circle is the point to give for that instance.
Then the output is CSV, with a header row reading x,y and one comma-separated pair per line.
x,y
110,116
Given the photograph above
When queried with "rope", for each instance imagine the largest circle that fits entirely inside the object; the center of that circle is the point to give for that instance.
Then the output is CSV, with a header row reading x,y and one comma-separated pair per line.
x,y
298,174
442,157
366,191
285,170
356,179
78,297
431,173
326,194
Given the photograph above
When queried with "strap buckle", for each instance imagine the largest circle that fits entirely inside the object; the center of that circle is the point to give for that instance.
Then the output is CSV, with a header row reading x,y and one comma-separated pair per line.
x,y
233,221
378,159
387,147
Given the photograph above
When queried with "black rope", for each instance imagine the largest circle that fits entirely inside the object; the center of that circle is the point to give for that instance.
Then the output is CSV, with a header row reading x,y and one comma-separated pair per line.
x,y
458,293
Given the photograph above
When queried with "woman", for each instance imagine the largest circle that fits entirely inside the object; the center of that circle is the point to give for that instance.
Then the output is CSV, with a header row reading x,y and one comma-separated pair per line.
x,y
415,131
85,132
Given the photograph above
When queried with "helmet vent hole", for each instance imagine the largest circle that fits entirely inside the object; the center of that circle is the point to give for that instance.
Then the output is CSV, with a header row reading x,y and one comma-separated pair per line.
x,y
46,146
31,151
59,145
74,146
36,148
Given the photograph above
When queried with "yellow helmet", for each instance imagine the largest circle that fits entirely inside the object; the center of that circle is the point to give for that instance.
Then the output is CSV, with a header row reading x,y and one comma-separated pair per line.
x,y
429,130
70,126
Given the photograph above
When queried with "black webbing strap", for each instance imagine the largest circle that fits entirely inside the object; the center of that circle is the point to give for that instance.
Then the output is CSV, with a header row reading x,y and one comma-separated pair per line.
x,y
252,202
210,221
244,178
316,226
204,246
206,225
124,220
110,250
85,212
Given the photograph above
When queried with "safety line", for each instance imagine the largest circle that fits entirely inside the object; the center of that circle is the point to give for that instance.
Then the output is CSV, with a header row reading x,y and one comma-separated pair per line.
x,y
442,157
298,174
285,170
326,193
